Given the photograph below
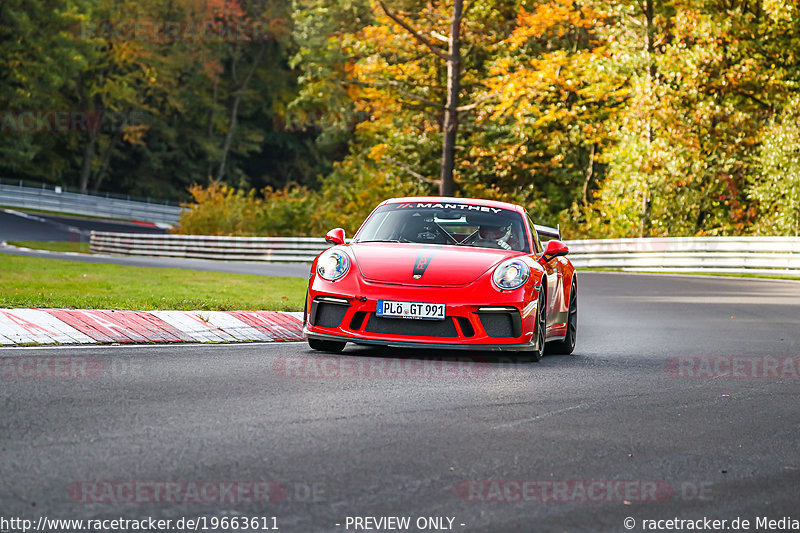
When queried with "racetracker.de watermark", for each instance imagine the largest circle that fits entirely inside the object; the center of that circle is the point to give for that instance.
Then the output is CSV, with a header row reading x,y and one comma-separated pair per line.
x,y
580,491
67,121
22,367
196,492
178,31
734,367
177,492
363,368
44,367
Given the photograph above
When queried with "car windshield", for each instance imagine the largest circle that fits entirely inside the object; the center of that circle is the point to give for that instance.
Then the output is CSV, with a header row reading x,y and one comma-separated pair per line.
x,y
457,224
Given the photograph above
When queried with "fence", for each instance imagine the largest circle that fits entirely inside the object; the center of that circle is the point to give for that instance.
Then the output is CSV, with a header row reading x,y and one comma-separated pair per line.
x,y
60,201
273,249
757,255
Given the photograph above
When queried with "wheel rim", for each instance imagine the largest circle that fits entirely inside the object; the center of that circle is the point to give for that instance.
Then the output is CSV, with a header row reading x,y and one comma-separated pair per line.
x,y
541,334
573,315
572,318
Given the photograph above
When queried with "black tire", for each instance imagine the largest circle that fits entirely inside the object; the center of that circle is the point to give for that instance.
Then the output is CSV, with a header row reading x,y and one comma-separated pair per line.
x,y
305,310
540,335
566,346
326,346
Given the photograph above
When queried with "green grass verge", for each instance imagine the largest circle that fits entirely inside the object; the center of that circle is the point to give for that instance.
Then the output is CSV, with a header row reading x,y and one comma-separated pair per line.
x,y
54,246
37,282
718,274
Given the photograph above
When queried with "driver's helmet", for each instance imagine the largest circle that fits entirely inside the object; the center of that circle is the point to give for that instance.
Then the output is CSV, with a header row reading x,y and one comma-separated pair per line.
x,y
492,231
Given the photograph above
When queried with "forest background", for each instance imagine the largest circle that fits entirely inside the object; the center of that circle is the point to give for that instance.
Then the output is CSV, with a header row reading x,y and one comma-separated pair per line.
x,y
613,118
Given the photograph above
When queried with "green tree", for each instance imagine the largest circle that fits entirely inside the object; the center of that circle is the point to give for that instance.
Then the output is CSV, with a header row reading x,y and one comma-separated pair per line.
x,y
382,74
551,90
39,61
777,185
704,83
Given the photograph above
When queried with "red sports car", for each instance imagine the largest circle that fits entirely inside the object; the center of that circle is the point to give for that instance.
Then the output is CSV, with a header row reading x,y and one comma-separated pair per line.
x,y
454,273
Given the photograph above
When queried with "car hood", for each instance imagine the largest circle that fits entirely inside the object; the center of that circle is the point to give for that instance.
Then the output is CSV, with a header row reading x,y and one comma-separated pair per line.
x,y
420,264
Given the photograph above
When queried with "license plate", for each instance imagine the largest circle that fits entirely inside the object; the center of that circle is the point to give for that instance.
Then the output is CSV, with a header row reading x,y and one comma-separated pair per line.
x,y
415,310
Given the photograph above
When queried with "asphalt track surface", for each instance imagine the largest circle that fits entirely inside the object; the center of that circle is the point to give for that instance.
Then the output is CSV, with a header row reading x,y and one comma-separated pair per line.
x,y
361,443
19,226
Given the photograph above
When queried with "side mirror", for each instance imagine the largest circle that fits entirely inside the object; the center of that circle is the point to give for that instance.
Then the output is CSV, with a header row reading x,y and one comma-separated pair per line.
x,y
555,249
335,236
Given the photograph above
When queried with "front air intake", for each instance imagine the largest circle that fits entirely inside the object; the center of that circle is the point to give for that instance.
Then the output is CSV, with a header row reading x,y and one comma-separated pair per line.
x,y
501,322
466,326
358,320
328,312
411,327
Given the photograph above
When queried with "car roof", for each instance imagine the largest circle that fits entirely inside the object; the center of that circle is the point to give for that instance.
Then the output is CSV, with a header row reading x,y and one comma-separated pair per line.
x,y
449,199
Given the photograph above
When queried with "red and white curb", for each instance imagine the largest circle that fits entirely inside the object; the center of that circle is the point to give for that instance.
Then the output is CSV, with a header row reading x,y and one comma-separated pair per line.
x,y
92,326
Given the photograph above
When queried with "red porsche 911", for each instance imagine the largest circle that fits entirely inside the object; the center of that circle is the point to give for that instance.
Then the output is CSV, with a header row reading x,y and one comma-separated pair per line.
x,y
453,273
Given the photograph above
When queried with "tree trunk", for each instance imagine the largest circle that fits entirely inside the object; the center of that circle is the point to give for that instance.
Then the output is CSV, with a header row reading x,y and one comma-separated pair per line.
x,y
88,158
649,16
213,106
589,174
105,161
645,215
234,120
93,130
450,125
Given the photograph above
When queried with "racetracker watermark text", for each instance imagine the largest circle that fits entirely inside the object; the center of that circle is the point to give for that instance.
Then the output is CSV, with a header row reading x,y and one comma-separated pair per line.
x,y
344,367
58,367
229,492
102,525
195,492
757,523
68,121
581,491
734,367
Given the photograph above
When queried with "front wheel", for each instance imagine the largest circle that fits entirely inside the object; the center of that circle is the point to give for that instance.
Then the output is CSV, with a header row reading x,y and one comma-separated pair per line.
x,y
540,336
566,346
326,346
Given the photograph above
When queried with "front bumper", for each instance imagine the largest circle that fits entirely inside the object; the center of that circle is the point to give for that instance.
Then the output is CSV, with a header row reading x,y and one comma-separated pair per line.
x,y
478,317
436,346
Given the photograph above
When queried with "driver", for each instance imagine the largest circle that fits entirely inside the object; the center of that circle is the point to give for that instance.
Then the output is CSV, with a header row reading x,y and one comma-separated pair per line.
x,y
418,229
493,234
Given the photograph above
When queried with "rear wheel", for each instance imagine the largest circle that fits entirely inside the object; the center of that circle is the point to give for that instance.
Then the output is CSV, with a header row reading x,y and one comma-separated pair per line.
x,y
566,346
326,346
541,327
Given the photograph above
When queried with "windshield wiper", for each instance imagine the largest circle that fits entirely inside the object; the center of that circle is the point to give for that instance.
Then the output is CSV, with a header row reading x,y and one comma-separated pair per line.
x,y
382,240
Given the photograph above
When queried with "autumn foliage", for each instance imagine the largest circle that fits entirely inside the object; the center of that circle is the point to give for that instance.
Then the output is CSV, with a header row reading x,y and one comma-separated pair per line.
x,y
613,118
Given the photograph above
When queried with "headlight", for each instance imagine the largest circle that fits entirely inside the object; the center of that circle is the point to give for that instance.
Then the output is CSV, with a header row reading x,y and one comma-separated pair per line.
x,y
333,264
511,274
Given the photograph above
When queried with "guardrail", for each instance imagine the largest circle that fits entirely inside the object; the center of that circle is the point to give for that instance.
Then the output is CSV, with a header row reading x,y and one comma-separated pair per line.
x,y
273,249
756,255
86,204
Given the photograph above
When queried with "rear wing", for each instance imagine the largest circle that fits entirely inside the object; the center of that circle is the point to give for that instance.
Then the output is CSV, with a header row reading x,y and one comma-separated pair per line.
x,y
546,233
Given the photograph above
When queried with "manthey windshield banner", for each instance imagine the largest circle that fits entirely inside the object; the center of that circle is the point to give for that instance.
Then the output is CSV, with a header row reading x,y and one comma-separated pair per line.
x,y
454,206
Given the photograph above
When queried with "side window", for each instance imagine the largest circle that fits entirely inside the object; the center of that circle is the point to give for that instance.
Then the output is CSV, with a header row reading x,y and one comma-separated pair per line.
x,y
536,244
